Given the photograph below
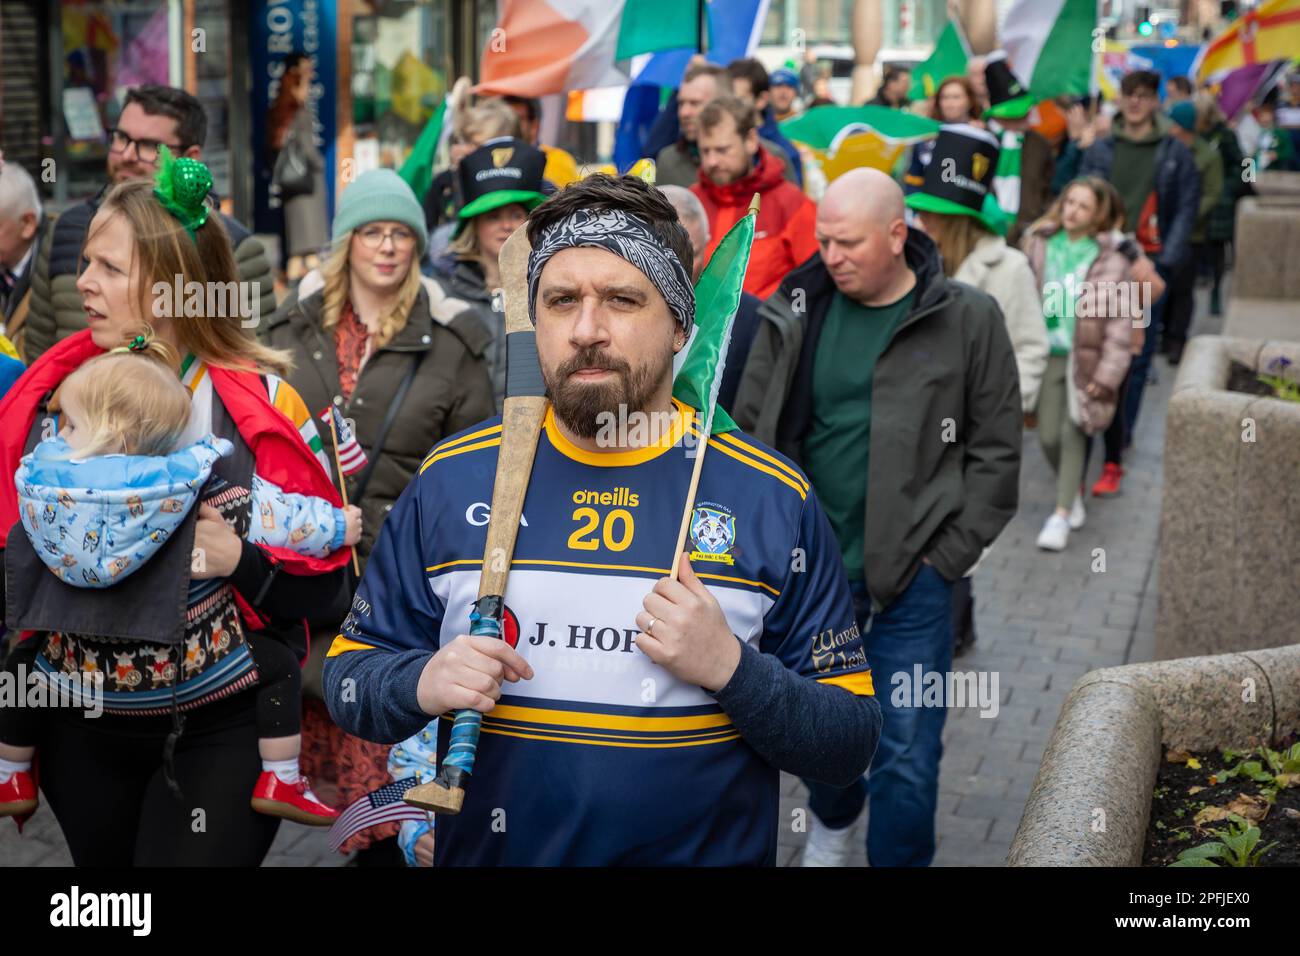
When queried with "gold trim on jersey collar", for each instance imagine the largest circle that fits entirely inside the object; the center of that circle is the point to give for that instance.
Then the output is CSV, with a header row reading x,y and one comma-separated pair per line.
x,y
617,459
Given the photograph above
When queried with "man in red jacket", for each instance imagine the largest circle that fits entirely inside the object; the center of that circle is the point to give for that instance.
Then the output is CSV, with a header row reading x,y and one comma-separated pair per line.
x,y
733,166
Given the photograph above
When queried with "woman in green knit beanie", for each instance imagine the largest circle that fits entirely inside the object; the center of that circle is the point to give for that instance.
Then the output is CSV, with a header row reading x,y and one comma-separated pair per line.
x,y
404,364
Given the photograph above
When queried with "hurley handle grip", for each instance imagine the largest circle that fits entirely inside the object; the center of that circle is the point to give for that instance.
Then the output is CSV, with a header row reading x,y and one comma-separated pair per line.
x,y
463,742
447,792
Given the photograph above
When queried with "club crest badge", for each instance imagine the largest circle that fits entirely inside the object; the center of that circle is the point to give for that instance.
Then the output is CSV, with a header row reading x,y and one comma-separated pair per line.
x,y
713,532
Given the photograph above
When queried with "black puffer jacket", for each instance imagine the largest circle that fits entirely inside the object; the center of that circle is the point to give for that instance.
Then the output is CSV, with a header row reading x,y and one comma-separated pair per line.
x,y
463,281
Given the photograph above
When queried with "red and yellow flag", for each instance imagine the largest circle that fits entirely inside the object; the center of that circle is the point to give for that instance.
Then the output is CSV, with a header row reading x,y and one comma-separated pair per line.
x,y
1270,31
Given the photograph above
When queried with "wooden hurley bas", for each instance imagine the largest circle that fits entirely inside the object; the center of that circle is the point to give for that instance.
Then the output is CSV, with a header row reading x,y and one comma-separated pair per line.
x,y
522,416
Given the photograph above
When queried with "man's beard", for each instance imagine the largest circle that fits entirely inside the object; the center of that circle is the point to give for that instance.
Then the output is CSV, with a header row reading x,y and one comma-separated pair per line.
x,y
583,407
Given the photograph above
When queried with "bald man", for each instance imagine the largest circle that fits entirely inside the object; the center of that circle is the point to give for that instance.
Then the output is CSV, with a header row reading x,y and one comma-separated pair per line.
x,y
895,388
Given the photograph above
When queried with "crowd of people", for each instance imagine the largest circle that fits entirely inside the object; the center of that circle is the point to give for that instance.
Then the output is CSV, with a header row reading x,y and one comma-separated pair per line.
x,y
896,334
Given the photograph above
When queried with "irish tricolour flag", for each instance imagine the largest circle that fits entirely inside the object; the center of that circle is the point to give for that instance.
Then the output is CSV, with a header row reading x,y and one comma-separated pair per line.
x,y
551,46
1049,44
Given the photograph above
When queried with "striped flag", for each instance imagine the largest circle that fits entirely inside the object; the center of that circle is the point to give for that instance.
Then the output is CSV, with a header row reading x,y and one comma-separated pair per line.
x,y
1049,44
554,46
384,805
351,458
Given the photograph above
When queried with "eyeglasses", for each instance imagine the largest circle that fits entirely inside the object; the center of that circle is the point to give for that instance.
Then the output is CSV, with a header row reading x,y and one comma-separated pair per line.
x,y
146,149
372,237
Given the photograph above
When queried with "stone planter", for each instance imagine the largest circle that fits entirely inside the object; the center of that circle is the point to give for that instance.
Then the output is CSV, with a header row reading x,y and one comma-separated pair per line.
x,y
1230,515
1091,800
1265,289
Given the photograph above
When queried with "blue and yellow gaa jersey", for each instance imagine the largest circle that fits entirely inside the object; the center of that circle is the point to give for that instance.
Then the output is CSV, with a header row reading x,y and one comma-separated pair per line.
x,y
604,757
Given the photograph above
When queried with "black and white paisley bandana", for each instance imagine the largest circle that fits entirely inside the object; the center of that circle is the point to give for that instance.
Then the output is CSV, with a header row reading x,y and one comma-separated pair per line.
x,y
627,236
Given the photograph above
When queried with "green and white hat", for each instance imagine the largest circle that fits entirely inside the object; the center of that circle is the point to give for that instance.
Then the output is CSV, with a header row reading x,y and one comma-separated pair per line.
x,y
959,179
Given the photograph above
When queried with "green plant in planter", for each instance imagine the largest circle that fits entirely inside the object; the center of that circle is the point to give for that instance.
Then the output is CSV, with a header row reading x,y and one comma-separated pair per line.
x,y
1282,761
1236,846
1283,387
1272,763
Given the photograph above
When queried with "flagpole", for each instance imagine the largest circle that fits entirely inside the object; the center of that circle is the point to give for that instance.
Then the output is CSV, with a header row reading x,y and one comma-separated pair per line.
x,y
706,426
343,484
690,499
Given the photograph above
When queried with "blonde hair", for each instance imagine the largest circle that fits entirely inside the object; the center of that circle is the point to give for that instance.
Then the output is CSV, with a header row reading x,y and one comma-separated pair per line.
x,y
1208,113
164,250
129,403
486,120
337,273
1101,219
466,245
956,236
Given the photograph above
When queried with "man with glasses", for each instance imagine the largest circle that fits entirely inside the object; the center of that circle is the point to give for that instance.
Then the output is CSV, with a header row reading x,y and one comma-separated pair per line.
x,y
1156,177
152,116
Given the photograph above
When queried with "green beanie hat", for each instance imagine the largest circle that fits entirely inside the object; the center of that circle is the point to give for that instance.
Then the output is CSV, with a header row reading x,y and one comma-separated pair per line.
x,y
380,196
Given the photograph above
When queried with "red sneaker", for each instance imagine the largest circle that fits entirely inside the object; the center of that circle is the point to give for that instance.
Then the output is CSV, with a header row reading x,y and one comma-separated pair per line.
x,y
18,796
1108,484
293,801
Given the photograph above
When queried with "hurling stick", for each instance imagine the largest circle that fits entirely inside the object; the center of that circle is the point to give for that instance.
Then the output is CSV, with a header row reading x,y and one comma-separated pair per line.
x,y
521,423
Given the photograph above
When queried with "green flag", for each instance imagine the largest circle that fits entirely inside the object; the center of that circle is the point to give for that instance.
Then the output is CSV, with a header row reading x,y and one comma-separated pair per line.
x,y
1049,44
649,26
948,59
826,127
418,168
717,297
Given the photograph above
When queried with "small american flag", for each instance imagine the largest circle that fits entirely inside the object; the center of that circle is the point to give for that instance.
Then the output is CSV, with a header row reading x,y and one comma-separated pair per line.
x,y
351,458
379,806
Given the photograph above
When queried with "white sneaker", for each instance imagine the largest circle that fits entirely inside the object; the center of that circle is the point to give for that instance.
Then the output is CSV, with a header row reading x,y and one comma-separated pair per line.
x,y
826,847
1077,515
1056,531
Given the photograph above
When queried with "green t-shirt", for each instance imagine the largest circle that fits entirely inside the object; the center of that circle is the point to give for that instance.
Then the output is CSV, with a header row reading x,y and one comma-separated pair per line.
x,y
1065,268
838,445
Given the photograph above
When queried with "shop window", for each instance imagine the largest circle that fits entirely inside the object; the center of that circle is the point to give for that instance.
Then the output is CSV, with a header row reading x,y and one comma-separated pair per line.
x,y
109,47
401,61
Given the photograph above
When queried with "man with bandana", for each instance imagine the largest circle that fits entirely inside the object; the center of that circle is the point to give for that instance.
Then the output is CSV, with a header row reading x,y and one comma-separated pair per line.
x,y
629,718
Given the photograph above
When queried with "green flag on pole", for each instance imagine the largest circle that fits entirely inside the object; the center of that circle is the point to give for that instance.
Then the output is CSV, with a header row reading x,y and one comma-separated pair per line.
x,y
418,168
717,297
948,59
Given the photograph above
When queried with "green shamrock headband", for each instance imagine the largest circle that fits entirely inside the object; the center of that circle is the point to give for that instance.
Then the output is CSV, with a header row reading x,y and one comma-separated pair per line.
x,y
182,186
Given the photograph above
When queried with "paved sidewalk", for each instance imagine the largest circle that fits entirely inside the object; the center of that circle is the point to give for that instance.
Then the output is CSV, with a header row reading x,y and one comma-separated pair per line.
x,y
1043,620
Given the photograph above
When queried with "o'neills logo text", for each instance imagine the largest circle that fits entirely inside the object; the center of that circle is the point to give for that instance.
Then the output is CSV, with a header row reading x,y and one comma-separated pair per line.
x,y
509,172
620,497
77,909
